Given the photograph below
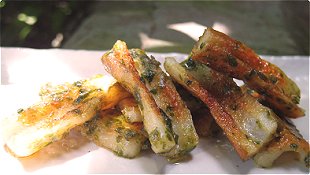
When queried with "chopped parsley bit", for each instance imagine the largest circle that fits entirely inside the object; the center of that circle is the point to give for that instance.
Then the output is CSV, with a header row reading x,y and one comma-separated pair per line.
x,y
82,96
232,61
148,75
296,99
169,110
119,153
202,45
20,110
188,82
306,160
294,146
169,137
250,91
130,134
154,135
153,91
273,79
262,76
78,83
234,107
137,97
259,124
77,111
189,64
118,139
91,126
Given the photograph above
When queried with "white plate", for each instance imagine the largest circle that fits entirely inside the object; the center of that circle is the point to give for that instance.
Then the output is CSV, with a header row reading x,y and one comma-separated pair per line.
x,y
24,70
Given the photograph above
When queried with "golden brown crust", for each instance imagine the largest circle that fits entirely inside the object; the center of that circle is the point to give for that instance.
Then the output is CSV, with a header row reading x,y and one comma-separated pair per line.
x,y
233,58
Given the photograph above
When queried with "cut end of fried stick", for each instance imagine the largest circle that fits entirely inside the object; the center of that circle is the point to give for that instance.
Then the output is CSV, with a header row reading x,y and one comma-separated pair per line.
x,y
233,58
287,139
110,129
119,63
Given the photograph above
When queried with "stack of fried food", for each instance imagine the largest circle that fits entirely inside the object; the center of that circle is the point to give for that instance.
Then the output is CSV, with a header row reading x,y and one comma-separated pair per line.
x,y
144,106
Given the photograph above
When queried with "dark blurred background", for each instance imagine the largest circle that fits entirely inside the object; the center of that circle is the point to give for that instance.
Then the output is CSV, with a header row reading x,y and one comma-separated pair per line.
x,y
273,28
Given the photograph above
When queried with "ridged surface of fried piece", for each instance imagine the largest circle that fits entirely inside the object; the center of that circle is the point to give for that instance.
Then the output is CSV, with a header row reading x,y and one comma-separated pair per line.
x,y
233,58
178,116
120,64
231,125
61,108
110,130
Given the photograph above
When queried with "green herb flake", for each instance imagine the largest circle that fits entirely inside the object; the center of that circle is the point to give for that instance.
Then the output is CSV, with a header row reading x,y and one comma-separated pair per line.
x,y
154,135
234,107
153,91
202,45
259,124
262,76
169,136
91,126
81,97
250,91
256,142
130,134
137,97
78,83
294,146
169,110
232,61
189,64
118,139
167,120
119,153
77,111
20,110
188,82
273,79
296,99
119,130
148,75
307,160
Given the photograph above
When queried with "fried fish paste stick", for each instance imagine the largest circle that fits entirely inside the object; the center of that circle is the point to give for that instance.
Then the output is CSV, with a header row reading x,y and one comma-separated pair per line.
x,y
120,64
233,58
109,129
178,116
61,109
287,139
247,124
256,120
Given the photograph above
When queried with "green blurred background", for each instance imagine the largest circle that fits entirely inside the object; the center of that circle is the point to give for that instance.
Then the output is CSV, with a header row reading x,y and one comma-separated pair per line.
x,y
272,28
